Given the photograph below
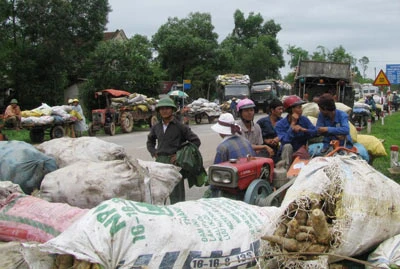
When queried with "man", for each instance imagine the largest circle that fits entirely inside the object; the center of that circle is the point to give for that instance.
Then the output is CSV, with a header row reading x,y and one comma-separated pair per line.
x,y
332,123
250,130
169,134
12,115
294,130
233,145
267,125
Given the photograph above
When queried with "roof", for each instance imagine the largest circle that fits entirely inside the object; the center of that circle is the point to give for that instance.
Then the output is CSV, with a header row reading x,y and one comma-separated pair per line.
x,y
114,93
116,35
324,69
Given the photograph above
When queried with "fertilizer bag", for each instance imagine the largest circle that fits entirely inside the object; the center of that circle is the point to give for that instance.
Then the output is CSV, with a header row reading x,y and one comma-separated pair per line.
x,y
337,205
22,164
68,150
206,233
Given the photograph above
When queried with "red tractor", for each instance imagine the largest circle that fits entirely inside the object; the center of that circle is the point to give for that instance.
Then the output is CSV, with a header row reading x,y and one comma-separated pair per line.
x,y
255,180
124,115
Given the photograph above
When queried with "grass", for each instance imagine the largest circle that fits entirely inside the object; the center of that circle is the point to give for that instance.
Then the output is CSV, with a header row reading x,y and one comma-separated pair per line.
x,y
390,132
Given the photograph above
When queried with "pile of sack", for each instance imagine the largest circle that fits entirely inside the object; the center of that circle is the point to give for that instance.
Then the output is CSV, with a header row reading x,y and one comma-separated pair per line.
x,y
203,105
46,114
233,79
135,101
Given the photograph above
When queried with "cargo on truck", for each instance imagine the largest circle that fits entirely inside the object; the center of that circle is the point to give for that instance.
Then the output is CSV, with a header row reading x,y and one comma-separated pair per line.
x,y
314,78
233,86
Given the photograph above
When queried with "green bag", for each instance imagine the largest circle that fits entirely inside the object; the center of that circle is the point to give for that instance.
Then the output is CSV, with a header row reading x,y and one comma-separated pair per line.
x,y
189,158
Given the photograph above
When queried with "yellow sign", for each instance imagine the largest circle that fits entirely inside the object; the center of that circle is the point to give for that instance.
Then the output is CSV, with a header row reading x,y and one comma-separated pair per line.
x,y
187,81
381,80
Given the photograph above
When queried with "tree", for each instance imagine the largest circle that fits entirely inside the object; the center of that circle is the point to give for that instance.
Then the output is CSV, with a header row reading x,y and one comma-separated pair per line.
x,y
296,54
124,65
50,40
364,61
254,47
184,44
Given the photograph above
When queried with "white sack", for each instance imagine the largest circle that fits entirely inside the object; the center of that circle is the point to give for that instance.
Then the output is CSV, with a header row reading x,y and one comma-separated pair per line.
x,y
87,183
68,150
361,202
160,180
125,234
386,254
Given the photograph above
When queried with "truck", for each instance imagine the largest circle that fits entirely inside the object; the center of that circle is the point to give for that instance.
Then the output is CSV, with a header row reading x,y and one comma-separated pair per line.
x,y
262,93
314,78
233,85
109,115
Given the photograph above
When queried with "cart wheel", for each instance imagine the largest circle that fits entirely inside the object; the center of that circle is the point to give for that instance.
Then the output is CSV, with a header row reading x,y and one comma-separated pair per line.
x,y
91,131
110,129
257,189
126,122
210,119
197,118
57,132
36,135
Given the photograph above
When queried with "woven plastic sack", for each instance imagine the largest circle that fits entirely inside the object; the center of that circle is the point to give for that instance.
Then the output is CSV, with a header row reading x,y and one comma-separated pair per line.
x,y
22,164
205,233
386,254
26,218
358,202
68,150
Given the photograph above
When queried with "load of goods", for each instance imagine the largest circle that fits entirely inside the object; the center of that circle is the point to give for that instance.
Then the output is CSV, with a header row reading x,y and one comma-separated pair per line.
x,y
134,101
202,108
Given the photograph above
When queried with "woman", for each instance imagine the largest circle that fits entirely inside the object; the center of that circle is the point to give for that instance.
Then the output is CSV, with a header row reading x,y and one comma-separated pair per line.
x,y
80,126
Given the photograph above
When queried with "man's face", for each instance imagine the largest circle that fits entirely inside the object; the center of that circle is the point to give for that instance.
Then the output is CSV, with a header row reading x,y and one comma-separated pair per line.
x,y
166,112
277,111
297,110
248,114
324,112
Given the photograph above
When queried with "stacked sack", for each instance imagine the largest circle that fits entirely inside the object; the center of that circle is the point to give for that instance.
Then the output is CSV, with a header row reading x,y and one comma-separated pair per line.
x,y
135,101
233,79
203,105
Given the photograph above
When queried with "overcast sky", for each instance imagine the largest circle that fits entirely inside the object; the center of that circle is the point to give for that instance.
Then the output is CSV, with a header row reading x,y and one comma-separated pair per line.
x,y
363,27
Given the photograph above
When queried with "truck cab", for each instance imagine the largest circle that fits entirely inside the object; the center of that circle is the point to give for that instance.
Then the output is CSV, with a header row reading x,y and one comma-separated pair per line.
x,y
262,93
238,91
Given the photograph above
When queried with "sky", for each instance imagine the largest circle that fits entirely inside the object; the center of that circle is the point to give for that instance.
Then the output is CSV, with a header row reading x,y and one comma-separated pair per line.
x,y
363,27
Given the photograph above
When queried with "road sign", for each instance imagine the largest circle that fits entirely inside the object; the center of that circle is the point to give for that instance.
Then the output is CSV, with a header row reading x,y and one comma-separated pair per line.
x,y
381,80
393,73
186,84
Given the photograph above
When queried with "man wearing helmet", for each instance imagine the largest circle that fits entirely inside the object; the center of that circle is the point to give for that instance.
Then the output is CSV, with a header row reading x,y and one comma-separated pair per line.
x,y
169,134
250,130
294,130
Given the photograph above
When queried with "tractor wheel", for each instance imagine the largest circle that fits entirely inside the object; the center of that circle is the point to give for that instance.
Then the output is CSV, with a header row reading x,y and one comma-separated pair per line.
x,y
57,132
197,118
258,189
36,135
126,122
91,131
110,129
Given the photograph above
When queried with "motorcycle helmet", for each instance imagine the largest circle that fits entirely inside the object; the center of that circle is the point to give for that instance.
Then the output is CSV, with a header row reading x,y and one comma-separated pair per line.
x,y
245,103
291,101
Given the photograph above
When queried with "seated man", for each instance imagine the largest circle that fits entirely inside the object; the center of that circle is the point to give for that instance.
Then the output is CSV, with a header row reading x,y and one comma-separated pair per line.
x,y
332,123
294,130
12,115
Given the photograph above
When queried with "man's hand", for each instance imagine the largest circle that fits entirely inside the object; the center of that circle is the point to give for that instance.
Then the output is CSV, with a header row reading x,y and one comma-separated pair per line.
x,y
322,130
173,159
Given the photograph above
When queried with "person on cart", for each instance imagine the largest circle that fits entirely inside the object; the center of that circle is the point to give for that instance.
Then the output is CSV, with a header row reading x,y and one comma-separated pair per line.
x,y
12,115
294,131
250,130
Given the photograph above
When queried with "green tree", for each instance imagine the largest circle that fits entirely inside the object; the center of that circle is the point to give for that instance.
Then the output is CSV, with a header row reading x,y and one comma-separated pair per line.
x,y
296,54
185,44
124,65
255,49
50,40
